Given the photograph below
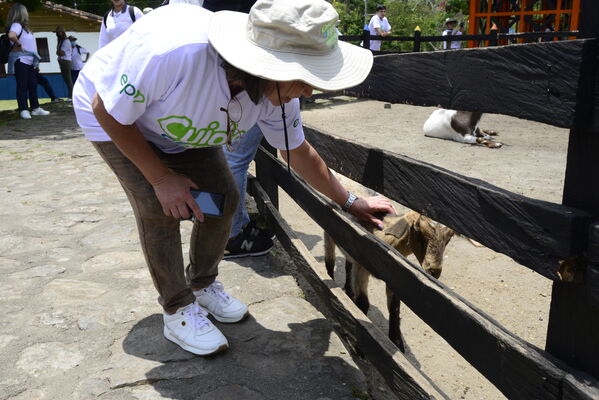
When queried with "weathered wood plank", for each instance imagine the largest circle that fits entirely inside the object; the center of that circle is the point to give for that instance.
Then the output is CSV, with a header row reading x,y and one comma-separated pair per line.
x,y
406,381
518,369
535,233
580,388
536,81
573,326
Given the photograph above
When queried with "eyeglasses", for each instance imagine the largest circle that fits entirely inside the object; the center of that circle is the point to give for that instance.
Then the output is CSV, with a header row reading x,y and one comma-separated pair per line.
x,y
234,113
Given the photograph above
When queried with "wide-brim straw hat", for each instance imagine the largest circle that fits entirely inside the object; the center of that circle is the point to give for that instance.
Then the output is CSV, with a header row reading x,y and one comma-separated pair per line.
x,y
286,40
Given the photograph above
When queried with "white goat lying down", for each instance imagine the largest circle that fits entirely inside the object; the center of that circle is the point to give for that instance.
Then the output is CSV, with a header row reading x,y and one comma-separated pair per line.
x,y
411,233
459,126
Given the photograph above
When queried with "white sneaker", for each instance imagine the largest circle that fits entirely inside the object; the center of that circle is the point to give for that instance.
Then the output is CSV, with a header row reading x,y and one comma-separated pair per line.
x,y
191,329
222,306
25,114
40,111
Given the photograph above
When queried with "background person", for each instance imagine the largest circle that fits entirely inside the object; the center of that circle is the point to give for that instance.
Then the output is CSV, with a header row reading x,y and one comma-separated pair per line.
x,y
379,26
22,60
246,238
117,20
450,30
64,51
45,84
80,56
160,115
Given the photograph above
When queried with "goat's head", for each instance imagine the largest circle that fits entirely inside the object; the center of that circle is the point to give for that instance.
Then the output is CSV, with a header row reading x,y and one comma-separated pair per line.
x,y
429,239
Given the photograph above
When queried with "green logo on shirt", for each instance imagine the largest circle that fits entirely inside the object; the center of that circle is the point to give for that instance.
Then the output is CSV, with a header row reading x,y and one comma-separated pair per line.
x,y
181,130
130,90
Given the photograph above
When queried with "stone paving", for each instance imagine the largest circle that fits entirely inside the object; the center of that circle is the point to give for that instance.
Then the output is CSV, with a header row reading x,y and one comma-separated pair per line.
x,y
80,316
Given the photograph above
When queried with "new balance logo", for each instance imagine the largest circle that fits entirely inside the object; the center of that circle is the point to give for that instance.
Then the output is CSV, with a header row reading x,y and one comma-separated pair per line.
x,y
247,245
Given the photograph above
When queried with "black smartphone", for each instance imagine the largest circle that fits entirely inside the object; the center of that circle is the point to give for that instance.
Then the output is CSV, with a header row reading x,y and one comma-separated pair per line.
x,y
210,203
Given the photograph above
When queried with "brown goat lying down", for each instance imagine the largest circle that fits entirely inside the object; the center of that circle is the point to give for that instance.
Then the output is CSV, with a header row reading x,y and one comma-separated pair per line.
x,y
411,233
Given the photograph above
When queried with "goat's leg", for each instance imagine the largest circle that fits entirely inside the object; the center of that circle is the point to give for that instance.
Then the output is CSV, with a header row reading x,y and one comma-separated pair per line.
x,y
359,277
329,255
393,304
349,288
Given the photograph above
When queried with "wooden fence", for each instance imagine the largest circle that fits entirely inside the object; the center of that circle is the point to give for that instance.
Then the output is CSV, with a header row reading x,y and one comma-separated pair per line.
x,y
555,83
493,38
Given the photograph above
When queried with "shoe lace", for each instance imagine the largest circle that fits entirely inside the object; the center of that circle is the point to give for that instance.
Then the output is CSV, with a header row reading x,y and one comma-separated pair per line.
x,y
218,289
197,315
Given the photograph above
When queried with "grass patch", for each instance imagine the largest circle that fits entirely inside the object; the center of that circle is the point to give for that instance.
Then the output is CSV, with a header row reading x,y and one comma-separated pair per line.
x,y
12,104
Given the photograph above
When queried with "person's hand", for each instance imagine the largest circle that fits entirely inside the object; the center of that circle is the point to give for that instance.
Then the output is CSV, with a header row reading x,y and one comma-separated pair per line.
x,y
173,193
365,209
18,47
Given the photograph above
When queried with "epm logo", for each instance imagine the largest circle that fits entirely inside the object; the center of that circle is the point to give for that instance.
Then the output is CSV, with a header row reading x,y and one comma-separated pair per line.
x,y
130,90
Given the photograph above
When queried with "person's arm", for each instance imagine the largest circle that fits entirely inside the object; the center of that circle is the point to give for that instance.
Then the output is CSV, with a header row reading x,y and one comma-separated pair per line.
x,y
14,37
172,190
307,163
60,51
103,40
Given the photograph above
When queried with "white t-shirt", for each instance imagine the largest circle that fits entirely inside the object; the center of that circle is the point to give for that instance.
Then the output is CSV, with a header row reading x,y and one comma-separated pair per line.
x,y
27,42
383,25
173,87
116,24
76,61
454,44
65,46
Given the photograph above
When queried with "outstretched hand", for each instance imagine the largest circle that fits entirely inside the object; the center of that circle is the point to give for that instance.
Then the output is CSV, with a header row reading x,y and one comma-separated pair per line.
x,y
173,192
365,209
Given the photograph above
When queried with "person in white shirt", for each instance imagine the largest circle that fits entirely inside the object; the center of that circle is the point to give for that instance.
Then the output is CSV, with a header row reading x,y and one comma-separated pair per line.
x,y
379,26
117,20
450,24
64,52
79,57
22,60
158,108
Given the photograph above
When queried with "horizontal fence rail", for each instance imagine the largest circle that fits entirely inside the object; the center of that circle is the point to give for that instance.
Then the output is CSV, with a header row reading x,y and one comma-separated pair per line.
x,y
464,37
514,366
535,233
404,379
538,82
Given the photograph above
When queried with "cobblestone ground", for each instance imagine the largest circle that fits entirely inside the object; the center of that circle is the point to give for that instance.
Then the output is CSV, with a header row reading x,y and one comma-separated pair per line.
x,y
80,318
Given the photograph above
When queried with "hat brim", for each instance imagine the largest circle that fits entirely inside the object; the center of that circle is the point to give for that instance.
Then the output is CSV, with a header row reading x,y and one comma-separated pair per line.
x,y
346,66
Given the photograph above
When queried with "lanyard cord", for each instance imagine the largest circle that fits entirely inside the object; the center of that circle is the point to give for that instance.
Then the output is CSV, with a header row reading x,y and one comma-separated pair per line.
x,y
284,129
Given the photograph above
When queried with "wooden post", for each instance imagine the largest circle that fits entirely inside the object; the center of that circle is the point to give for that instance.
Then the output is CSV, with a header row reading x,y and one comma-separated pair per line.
x,y
366,39
493,37
574,316
417,35
265,177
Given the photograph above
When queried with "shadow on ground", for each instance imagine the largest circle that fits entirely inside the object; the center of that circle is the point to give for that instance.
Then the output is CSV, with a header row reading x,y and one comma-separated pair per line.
x,y
260,364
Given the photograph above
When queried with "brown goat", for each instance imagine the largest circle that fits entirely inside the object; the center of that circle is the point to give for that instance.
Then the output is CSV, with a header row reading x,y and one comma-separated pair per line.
x,y
411,233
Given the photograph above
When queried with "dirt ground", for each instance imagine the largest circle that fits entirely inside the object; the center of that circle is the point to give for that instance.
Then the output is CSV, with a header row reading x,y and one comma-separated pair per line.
x,y
531,163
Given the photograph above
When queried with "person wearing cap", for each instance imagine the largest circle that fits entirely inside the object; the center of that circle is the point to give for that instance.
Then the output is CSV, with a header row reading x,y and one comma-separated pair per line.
x,y
379,26
158,109
64,52
117,20
450,24
79,57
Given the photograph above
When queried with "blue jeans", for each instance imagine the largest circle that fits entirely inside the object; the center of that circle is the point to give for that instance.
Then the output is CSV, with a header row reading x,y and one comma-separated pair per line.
x,y
239,159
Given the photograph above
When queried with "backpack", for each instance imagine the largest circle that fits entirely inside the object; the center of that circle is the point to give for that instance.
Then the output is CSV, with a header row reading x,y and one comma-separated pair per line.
x,y
6,46
131,14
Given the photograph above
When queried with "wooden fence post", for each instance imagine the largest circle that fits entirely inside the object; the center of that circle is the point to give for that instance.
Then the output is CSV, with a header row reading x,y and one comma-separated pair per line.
x,y
417,35
265,176
366,39
574,316
493,37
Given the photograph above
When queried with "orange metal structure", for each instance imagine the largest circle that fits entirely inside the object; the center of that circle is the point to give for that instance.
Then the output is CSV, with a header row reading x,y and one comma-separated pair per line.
x,y
523,15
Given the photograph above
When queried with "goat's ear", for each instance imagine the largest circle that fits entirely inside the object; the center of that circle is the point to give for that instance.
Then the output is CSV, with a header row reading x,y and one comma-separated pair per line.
x,y
399,229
